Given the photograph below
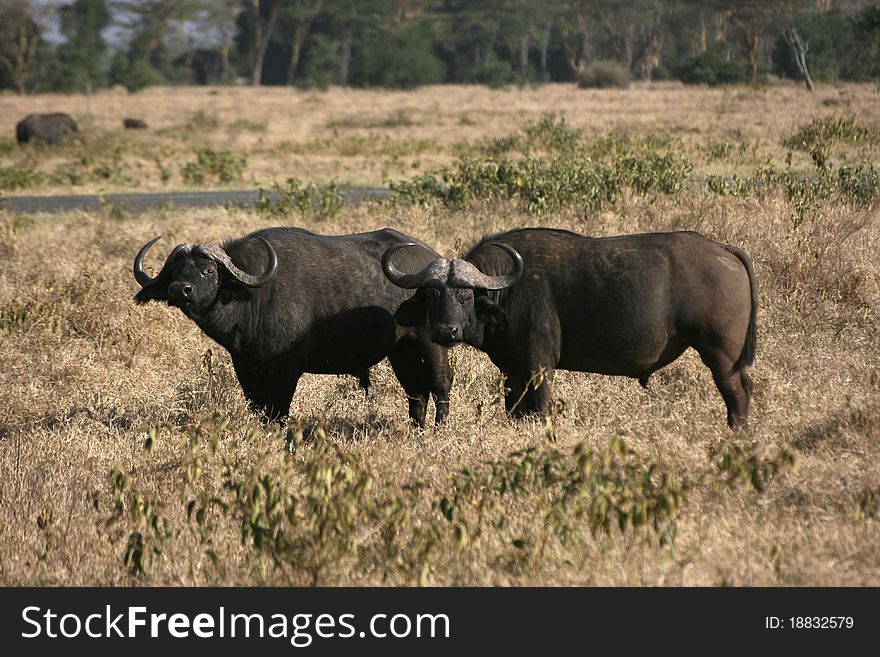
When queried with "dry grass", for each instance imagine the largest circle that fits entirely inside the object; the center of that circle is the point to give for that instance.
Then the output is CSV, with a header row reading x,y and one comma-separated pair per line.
x,y
87,376
369,137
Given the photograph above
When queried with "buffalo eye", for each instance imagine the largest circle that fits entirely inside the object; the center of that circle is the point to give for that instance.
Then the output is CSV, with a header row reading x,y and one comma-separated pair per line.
x,y
432,293
209,271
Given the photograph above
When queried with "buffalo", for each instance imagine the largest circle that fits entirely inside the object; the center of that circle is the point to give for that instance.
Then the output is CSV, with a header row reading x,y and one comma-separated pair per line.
x,y
316,303
45,128
131,123
536,300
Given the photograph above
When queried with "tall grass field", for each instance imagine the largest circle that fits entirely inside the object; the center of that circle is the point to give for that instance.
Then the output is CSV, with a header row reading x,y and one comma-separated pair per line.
x,y
128,455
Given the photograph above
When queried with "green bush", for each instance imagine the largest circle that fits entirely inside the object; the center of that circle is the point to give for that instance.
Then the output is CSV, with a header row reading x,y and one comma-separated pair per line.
x,y
321,513
223,166
541,187
551,134
857,185
16,177
712,68
604,74
831,130
497,73
135,75
398,59
308,200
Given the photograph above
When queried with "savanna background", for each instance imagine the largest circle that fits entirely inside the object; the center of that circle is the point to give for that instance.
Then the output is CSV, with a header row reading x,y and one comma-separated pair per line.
x,y
128,455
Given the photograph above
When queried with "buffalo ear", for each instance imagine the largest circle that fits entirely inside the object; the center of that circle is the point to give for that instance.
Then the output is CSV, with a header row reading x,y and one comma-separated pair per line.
x,y
413,311
490,313
154,292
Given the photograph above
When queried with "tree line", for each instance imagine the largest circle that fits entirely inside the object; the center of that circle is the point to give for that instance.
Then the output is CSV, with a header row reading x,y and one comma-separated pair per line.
x,y
74,45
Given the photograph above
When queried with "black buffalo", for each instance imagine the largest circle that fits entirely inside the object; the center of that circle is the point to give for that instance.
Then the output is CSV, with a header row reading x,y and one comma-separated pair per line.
x,y
536,300
45,128
131,123
318,304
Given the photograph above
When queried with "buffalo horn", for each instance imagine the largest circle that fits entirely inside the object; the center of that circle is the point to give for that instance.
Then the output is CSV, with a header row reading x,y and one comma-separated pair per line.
x,y
220,256
466,274
139,274
409,281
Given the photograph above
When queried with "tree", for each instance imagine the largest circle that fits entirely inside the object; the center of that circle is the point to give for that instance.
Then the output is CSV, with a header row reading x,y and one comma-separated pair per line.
x,y
77,62
576,27
867,41
257,23
215,28
20,38
155,30
147,22
751,17
298,16
793,38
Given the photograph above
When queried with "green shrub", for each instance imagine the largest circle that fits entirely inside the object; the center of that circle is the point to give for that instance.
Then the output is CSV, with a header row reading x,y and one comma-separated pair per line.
x,y
551,134
307,200
317,514
223,166
746,468
857,185
541,187
7,146
135,75
831,130
398,59
604,74
712,68
868,504
16,177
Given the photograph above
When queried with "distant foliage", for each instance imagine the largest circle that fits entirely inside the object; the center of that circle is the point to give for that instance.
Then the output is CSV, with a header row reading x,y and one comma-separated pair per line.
x,y
831,130
855,185
135,75
830,48
406,44
220,166
542,187
15,177
308,200
712,68
604,74
548,166
399,59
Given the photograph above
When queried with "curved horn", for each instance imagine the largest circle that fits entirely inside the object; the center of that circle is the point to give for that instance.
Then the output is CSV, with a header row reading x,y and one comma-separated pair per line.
x,y
139,274
411,281
221,257
466,273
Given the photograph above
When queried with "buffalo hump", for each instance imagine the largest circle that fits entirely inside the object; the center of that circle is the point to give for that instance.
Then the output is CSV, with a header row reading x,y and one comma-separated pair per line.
x,y
45,128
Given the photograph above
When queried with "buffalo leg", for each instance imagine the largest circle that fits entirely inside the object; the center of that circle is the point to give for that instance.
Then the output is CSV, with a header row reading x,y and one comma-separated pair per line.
x,y
735,387
364,381
411,370
528,394
268,393
440,374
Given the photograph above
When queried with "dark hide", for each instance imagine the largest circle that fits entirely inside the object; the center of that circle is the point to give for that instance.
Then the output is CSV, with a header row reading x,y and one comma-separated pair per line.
x,y
328,310
624,306
45,128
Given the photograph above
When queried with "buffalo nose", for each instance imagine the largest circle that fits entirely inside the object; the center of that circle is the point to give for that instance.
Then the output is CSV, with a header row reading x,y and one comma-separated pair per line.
x,y
446,333
180,290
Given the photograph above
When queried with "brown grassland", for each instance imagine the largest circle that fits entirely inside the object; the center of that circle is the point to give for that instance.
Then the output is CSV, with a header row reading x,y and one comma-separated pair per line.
x,y
128,456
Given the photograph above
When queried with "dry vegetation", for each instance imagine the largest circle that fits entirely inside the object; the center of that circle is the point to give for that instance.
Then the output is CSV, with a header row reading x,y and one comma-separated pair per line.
x,y
127,454
363,137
